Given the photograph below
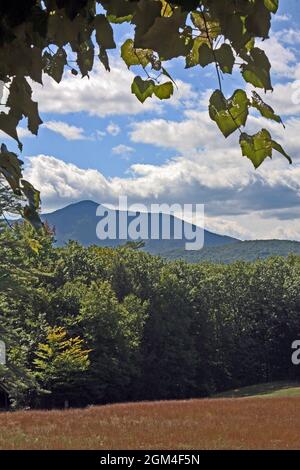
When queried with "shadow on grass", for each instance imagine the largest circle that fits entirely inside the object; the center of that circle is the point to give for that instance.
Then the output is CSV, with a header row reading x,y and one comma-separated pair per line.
x,y
271,389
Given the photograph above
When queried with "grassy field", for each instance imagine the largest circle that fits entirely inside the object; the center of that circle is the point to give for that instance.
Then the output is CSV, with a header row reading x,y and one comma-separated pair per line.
x,y
223,423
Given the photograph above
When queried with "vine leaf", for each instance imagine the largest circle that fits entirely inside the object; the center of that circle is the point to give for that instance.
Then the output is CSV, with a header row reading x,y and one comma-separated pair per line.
x,y
230,114
142,89
54,65
85,57
259,146
132,56
104,58
272,5
257,70
258,22
163,36
164,91
279,148
104,32
265,110
205,54
20,102
193,57
8,124
11,169
224,57
33,204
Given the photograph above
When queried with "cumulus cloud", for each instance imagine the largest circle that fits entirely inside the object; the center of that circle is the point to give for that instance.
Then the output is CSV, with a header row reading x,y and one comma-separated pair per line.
x,y
65,130
229,192
103,94
206,168
282,57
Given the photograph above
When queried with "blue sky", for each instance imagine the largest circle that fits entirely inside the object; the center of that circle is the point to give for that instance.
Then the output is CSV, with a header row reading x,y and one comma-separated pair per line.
x,y
98,141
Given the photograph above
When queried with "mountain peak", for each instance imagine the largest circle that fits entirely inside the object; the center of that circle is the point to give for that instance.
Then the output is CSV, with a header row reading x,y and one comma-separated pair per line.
x,y
78,221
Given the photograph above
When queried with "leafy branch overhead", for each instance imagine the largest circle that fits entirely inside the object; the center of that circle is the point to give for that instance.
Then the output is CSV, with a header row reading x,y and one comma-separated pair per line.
x,y
58,36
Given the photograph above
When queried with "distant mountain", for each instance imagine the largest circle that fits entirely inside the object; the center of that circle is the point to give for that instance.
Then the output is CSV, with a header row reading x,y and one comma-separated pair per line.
x,y
241,251
79,221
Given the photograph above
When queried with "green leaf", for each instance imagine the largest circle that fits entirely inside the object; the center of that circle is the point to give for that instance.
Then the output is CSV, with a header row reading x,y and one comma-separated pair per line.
x,y
104,59
164,91
8,124
120,19
54,65
104,32
119,8
206,55
132,56
276,146
258,22
265,110
260,146
257,70
10,167
272,5
142,89
32,195
230,114
85,57
32,216
20,102
225,58
163,35
256,147
192,57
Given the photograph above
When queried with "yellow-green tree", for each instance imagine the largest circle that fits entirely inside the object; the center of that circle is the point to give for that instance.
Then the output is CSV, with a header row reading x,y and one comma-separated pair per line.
x,y
60,363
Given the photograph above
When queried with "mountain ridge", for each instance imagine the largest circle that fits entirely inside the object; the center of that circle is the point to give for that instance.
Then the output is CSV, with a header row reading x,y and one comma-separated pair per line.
x,y
78,222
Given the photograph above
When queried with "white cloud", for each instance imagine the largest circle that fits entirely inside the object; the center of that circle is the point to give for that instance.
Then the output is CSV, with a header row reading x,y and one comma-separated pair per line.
x,y
67,131
289,36
122,150
229,194
282,58
103,94
189,134
206,167
113,129
284,17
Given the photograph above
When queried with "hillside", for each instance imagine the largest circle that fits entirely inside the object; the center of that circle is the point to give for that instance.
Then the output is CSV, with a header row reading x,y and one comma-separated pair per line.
x,y
79,221
239,251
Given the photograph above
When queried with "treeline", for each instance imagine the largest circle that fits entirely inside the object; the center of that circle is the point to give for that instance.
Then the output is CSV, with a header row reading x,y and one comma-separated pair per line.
x,y
98,325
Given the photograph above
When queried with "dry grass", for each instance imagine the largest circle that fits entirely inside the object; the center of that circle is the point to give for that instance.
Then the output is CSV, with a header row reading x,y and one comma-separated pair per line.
x,y
246,423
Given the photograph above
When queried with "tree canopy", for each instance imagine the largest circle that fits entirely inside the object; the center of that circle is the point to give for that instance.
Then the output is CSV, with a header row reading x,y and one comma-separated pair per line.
x,y
52,36
95,325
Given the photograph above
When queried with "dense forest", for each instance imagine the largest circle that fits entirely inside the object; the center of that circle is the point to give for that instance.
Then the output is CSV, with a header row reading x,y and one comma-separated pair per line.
x,y
98,325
